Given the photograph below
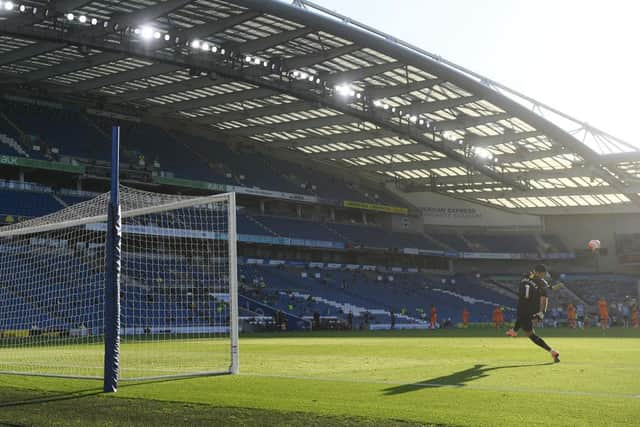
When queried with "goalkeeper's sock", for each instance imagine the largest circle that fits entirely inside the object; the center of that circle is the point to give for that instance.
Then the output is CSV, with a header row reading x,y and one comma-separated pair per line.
x,y
539,342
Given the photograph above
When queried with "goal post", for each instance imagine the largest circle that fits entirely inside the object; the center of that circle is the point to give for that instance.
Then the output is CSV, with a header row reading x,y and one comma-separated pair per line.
x,y
178,295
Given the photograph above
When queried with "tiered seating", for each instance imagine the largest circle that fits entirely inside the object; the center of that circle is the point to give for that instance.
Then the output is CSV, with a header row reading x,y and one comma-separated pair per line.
x,y
73,200
614,288
362,235
508,243
296,228
408,292
247,225
452,240
25,203
62,129
555,244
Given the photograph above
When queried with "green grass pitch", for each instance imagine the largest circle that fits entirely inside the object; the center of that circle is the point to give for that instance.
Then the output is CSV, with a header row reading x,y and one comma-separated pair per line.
x,y
474,377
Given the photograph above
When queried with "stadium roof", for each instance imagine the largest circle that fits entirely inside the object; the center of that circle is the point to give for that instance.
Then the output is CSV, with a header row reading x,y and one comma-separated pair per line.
x,y
299,78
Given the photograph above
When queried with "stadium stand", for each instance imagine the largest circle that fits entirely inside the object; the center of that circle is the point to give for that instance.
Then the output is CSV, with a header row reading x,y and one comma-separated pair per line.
x,y
27,203
152,148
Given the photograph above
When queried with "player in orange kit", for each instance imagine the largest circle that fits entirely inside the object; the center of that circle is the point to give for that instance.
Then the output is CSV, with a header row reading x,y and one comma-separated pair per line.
x,y
571,315
434,316
465,317
500,317
603,312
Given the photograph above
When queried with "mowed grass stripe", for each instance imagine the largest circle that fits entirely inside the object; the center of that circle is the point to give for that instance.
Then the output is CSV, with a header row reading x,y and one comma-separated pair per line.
x,y
484,379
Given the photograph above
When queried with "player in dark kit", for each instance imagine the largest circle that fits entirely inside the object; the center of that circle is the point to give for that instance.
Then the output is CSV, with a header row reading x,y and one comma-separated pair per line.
x,y
532,304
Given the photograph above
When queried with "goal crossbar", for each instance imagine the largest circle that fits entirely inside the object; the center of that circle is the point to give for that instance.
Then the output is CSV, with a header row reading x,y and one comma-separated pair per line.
x,y
126,214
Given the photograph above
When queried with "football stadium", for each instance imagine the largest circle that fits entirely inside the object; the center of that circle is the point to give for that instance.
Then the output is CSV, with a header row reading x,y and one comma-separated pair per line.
x,y
266,213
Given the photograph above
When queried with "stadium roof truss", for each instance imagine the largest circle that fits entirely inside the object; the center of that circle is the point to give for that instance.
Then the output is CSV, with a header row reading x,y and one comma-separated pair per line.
x,y
299,78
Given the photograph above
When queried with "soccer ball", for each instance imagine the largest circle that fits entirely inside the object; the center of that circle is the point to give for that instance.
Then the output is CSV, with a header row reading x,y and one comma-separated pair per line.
x,y
594,245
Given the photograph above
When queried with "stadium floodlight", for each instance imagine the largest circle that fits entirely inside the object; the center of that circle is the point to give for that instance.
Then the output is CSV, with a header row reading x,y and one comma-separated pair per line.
x,y
481,152
82,19
22,8
247,58
167,37
344,89
413,119
295,73
222,51
377,103
257,61
94,21
136,31
214,49
205,46
421,122
70,16
146,32
157,35
195,44
8,5
385,106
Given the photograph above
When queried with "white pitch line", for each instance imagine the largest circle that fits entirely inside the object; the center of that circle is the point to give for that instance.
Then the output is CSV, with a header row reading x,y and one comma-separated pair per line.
x,y
457,386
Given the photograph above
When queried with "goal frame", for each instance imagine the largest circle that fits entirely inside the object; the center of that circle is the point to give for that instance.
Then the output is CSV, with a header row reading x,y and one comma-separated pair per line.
x,y
112,330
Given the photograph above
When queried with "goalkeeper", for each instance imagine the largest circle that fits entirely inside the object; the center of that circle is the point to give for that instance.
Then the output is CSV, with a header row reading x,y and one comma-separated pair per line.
x,y
532,304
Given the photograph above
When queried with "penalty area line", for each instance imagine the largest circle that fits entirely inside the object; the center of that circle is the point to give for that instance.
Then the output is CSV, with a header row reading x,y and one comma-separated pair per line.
x,y
453,386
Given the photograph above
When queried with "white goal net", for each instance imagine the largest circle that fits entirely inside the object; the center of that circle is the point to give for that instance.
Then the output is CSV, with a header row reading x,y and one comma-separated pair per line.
x,y
178,298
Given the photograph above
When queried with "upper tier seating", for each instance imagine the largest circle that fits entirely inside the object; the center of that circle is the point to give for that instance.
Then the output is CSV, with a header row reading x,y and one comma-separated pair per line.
x,y
26,203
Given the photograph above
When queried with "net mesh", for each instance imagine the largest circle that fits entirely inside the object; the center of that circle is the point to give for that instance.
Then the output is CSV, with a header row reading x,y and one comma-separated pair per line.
x,y
175,288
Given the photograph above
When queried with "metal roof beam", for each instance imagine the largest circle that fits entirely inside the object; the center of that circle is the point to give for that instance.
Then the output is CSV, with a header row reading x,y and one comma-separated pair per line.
x,y
546,192
411,165
391,91
270,41
170,88
294,125
149,13
542,174
215,27
615,158
211,101
251,113
486,141
71,66
371,150
30,51
346,137
360,73
55,7
432,107
380,118
464,121
318,57
135,74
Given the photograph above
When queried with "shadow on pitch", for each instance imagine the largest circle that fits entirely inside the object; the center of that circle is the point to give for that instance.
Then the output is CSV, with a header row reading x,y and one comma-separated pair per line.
x,y
457,379
79,394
